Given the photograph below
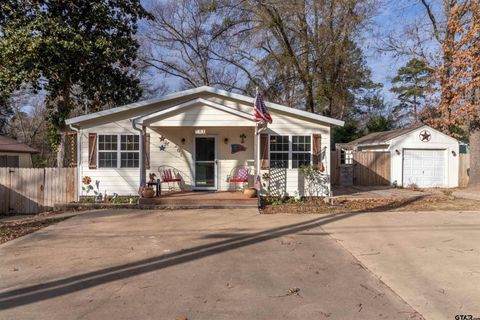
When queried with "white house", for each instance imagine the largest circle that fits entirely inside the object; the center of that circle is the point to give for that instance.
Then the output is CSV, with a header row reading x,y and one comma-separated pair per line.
x,y
203,134
420,155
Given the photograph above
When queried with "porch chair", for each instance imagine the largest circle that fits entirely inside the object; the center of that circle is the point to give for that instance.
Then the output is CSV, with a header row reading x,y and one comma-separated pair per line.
x,y
238,174
169,175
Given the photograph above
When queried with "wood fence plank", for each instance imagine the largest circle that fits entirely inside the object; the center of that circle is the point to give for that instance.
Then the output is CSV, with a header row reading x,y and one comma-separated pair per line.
x,y
4,187
371,168
463,169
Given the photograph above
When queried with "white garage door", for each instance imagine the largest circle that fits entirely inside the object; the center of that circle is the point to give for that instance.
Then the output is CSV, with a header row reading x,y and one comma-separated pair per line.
x,y
425,168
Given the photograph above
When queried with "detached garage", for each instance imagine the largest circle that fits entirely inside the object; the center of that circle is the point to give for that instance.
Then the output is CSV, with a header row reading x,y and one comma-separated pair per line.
x,y
420,155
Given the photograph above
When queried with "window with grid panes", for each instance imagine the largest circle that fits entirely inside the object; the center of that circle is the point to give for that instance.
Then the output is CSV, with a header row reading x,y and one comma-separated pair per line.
x,y
301,151
118,151
129,151
107,151
279,150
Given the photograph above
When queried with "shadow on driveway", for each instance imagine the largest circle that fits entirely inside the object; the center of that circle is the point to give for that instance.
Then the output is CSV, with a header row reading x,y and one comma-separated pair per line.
x,y
55,288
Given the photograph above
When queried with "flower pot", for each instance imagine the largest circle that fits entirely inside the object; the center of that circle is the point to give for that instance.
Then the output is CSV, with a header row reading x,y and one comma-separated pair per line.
x,y
250,192
148,193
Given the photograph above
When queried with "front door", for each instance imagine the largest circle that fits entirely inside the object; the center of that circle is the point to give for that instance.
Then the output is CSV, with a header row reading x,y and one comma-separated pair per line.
x,y
205,163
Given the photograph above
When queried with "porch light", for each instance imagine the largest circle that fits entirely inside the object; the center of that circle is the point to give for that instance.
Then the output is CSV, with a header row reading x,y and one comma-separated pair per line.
x,y
454,153
225,140
183,140
397,152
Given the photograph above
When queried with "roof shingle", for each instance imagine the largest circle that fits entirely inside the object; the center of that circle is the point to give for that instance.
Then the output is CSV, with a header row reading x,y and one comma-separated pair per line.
x,y
11,145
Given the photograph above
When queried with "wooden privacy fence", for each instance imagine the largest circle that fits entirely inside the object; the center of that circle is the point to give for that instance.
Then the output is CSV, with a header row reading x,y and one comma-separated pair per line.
x,y
32,190
463,169
371,168
368,168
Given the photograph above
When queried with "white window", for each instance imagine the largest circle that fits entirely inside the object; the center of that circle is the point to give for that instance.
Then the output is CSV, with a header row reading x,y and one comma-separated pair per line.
x,y
346,156
279,151
107,151
290,151
301,151
129,151
110,151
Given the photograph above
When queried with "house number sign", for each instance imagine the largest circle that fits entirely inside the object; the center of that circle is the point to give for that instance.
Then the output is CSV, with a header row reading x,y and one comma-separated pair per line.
x,y
200,131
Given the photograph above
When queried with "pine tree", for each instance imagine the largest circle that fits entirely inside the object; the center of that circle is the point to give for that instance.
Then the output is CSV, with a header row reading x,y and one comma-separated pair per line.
x,y
410,86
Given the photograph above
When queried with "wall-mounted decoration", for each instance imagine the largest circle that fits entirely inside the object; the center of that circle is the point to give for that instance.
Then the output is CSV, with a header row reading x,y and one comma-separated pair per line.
x,y
237,148
243,137
179,150
425,136
163,143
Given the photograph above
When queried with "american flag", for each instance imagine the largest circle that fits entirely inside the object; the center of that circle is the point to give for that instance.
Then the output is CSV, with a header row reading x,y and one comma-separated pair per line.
x,y
260,111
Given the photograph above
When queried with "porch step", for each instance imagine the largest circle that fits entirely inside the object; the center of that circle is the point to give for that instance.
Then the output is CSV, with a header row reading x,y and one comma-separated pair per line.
x,y
199,203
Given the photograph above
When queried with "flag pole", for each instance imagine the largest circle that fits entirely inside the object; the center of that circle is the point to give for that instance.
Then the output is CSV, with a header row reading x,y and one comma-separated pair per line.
x,y
257,163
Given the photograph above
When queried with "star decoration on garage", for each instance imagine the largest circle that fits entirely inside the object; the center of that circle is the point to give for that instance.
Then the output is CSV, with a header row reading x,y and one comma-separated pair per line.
x,y
425,136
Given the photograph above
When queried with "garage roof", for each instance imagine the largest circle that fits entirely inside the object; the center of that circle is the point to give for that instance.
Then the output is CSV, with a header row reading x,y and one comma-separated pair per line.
x,y
383,137
11,145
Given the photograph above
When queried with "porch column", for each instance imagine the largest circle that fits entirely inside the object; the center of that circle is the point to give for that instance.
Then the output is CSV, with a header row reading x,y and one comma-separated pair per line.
x,y
142,156
257,153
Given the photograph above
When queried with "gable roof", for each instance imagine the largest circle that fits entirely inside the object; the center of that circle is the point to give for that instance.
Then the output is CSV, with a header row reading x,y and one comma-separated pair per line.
x,y
11,145
185,93
384,136
189,103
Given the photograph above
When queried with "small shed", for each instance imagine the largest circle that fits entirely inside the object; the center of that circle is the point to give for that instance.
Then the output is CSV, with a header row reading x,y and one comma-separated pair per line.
x,y
15,154
420,155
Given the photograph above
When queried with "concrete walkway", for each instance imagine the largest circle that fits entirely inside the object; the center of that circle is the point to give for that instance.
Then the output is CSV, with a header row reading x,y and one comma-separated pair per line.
x,y
431,259
195,264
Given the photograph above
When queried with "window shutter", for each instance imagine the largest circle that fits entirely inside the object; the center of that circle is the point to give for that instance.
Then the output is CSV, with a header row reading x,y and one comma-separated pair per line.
x,y
316,149
146,150
264,151
92,150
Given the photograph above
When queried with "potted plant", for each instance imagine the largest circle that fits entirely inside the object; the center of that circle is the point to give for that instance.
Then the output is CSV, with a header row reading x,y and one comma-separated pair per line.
x,y
148,192
250,192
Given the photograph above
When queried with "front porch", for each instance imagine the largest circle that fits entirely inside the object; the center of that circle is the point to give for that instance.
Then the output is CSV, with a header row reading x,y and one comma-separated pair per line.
x,y
201,199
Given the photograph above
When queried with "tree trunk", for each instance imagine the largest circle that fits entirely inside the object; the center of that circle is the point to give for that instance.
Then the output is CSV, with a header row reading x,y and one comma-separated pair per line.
x,y
474,137
61,150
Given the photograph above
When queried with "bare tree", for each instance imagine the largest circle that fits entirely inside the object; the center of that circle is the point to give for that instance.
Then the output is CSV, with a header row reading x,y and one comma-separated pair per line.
x,y
313,45
187,41
29,125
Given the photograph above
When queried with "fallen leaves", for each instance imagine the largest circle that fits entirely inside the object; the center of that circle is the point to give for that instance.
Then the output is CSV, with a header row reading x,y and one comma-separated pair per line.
x,y
13,229
424,203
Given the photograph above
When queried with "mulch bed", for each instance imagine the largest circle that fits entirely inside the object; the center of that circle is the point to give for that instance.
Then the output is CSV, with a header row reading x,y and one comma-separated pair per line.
x,y
10,230
419,203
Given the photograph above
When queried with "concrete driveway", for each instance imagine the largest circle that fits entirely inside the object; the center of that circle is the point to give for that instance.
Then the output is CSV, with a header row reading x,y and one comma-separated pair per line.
x,y
431,259
196,264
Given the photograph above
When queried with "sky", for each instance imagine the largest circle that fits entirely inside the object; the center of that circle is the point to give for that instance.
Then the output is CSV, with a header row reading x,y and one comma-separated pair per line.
x,y
391,17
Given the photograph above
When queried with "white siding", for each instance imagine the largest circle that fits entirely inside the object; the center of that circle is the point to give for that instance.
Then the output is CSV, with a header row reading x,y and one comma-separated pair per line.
x,y
179,125
180,156
438,141
122,181
201,115
287,125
